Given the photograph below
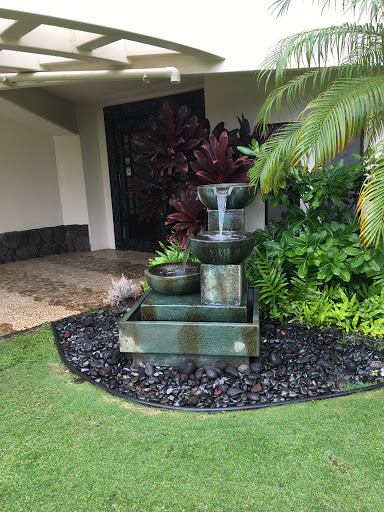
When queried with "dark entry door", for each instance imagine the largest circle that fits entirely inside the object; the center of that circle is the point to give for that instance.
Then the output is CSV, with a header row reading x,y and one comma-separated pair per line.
x,y
122,122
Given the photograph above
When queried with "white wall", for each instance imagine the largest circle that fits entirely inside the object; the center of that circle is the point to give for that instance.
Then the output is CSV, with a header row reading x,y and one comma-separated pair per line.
x,y
96,176
29,187
232,94
71,179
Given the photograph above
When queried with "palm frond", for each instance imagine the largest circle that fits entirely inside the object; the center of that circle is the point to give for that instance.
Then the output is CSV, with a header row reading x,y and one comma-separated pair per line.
x,y
281,5
374,8
274,159
314,48
336,116
293,90
371,200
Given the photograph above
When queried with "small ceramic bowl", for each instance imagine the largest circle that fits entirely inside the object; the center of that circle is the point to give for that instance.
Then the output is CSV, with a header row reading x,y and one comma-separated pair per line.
x,y
170,279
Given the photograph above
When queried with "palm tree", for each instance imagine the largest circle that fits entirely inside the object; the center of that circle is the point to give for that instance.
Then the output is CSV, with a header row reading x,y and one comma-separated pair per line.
x,y
343,66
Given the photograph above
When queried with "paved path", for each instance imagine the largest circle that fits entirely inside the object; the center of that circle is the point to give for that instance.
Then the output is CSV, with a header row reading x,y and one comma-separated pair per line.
x,y
41,290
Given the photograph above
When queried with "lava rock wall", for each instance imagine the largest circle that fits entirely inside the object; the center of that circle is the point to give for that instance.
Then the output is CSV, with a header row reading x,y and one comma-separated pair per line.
x,y
36,243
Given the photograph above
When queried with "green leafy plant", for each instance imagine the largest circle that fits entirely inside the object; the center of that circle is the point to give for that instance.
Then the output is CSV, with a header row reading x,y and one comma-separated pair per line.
x,y
272,284
251,150
342,68
169,254
315,254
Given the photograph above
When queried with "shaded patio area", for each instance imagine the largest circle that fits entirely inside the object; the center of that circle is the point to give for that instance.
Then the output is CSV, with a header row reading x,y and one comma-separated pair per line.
x,y
41,290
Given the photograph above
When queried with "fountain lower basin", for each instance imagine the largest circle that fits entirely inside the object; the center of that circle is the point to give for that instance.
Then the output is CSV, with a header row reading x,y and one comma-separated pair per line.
x,y
174,278
227,248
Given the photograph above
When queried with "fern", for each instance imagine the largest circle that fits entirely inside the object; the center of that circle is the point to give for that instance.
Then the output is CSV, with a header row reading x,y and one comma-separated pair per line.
x,y
314,311
273,287
302,288
170,254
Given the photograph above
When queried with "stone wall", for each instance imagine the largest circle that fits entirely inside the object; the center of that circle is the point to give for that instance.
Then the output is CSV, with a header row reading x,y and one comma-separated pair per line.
x,y
36,243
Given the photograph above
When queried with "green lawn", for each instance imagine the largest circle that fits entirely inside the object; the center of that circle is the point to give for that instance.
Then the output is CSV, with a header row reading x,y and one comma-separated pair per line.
x,y
67,447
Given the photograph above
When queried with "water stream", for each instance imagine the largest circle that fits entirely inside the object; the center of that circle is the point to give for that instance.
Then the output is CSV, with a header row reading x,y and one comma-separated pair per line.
x,y
187,250
222,195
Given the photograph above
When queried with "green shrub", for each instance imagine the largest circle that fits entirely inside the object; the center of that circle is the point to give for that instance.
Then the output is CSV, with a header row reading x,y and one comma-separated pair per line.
x,y
310,266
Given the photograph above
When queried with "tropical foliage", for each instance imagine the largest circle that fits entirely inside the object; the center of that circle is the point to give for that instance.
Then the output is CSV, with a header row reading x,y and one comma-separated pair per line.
x,y
214,164
342,68
180,156
190,217
173,136
310,267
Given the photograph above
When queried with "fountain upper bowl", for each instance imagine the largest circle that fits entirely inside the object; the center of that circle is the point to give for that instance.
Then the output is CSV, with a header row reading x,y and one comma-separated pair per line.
x,y
229,248
170,279
239,195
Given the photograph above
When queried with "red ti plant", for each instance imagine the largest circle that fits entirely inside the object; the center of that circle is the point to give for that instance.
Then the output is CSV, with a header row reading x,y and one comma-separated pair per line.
x,y
243,135
214,164
153,196
190,218
174,134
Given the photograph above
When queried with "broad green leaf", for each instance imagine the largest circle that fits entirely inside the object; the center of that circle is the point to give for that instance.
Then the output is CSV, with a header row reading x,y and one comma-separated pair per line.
x,y
352,251
374,265
272,246
335,199
306,197
299,251
345,275
246,151
290,253
274,202
319,197
302,270
356,262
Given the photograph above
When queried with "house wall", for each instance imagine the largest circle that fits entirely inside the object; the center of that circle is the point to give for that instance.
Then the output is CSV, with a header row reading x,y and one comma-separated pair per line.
x,y
96,176
71,179
29,191
42,201
64,179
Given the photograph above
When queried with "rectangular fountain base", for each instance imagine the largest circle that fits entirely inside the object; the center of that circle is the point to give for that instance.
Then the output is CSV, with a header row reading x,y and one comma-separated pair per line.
x,y
171,342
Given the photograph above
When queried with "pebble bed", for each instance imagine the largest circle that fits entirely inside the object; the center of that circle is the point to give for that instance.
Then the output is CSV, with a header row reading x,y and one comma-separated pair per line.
x,y
295,363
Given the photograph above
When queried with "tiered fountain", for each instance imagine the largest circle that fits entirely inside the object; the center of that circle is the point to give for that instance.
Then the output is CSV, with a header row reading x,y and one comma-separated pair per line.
x,y
201,312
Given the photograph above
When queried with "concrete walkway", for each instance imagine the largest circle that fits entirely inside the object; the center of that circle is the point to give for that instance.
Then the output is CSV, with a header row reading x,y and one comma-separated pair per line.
x,y
41,290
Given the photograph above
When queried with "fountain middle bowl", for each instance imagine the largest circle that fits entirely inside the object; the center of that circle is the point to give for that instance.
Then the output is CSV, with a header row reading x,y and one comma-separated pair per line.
x,y
228,248
171,279
239,195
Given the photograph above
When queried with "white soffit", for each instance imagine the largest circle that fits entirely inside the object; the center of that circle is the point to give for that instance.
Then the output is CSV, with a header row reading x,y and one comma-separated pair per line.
x,y
38,42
